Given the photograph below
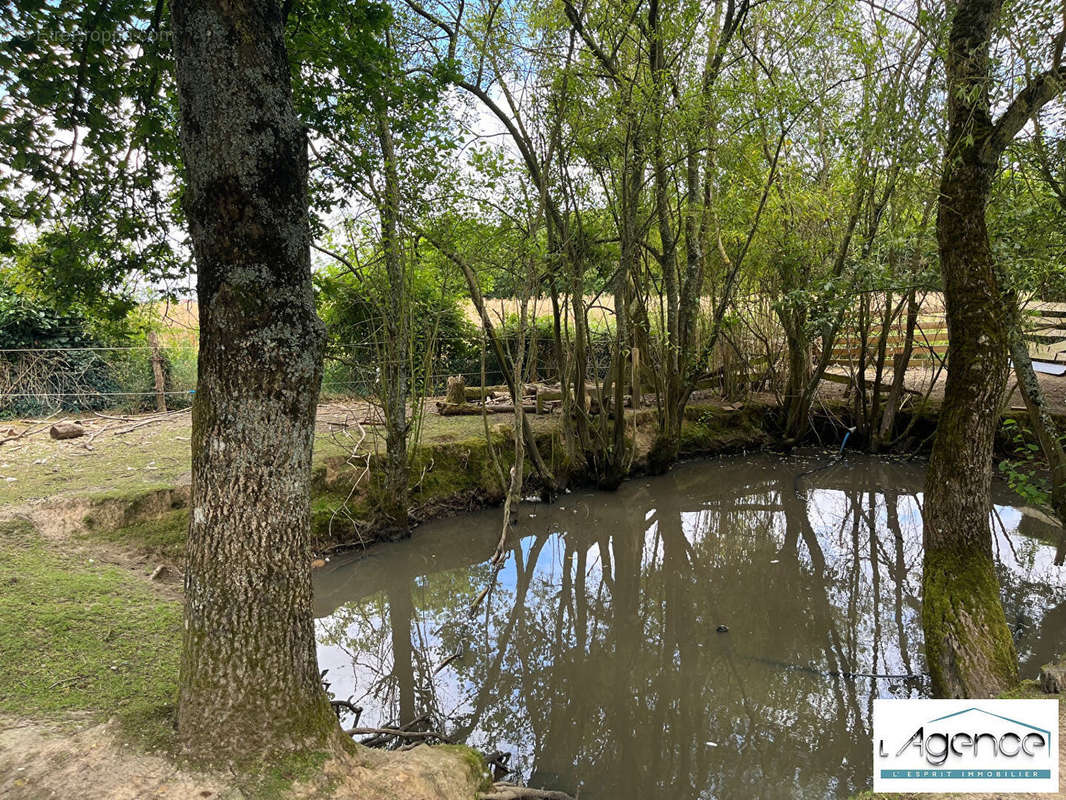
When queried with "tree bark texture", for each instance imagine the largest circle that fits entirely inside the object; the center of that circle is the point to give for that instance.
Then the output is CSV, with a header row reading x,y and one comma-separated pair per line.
x,y
249,686
968,645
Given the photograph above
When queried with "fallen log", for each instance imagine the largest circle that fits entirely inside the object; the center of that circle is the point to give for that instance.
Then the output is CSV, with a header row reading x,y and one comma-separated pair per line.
x,y
479,393
508,791
832,377
446,409
66,430
546,395
457,409
508,408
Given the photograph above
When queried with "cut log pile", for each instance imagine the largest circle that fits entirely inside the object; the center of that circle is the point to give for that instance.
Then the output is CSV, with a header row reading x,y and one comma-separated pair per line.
x,y
537,398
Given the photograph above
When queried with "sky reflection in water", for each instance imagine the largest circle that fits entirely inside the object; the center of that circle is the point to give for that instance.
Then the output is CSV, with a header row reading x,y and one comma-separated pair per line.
x,y
596,659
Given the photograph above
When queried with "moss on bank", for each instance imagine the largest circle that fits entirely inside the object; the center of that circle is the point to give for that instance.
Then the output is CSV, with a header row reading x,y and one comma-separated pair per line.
x,y
453,472
475,762
710,430
160,538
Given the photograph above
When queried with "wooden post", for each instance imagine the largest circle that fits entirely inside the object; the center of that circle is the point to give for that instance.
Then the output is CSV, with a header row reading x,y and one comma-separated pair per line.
x,y
456,393
157,371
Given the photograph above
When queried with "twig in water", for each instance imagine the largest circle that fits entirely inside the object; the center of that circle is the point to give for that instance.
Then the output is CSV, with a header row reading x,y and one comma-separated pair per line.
x,y
397,733
457,654
481,597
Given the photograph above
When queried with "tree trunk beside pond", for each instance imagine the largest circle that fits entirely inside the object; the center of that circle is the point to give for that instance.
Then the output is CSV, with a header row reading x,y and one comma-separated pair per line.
x,y
968,645
249,685
967,642
395,376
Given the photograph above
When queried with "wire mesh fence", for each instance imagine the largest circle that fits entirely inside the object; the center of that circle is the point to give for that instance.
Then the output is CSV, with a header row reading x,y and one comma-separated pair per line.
x,y
38,381
142,377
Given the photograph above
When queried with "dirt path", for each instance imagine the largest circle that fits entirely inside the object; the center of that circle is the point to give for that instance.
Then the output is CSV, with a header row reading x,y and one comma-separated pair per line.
x,y
924,378
41,761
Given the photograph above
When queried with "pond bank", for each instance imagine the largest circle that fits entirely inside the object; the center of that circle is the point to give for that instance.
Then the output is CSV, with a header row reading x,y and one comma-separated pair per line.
x,y
129,500
762,597
78,568
90,594
86,698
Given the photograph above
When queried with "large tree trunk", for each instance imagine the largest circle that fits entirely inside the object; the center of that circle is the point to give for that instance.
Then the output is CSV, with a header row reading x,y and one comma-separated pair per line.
x,y
249,686
968,645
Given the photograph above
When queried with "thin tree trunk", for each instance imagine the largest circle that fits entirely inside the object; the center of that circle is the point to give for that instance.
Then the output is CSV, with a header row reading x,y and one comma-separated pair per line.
x,y
157,372
501,356
1043,425
799,370
395,369
249,686
900,362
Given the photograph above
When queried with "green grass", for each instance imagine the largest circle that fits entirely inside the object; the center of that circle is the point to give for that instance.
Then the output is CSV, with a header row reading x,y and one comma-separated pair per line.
x,y
162,538
78,635
132,464
275,781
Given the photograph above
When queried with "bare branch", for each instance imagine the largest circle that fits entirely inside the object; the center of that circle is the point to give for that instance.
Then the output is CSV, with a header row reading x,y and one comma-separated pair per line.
x,y
1041,90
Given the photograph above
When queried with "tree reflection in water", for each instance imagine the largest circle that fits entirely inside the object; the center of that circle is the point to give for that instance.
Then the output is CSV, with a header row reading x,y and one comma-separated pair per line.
x,y
596,661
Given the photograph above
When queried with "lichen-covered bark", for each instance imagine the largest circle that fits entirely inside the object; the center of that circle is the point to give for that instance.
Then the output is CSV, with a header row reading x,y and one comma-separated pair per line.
x,y
249,683
968,644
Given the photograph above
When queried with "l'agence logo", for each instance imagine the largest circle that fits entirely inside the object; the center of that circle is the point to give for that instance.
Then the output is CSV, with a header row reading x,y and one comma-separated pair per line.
x,y
966,745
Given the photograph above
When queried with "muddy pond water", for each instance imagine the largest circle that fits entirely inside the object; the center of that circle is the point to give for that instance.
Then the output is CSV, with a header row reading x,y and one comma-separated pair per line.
x,y
598,660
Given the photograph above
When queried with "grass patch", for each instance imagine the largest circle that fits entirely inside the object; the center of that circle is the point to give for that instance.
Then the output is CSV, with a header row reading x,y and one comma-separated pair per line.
x,y
162,538
713,430
275,781
78,635
133,464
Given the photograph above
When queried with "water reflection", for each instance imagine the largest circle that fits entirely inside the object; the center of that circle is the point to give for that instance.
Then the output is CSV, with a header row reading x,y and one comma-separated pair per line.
x,y
597,661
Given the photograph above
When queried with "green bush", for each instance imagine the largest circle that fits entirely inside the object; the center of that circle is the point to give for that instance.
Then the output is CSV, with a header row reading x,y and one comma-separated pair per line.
x,y
440,335
55,360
